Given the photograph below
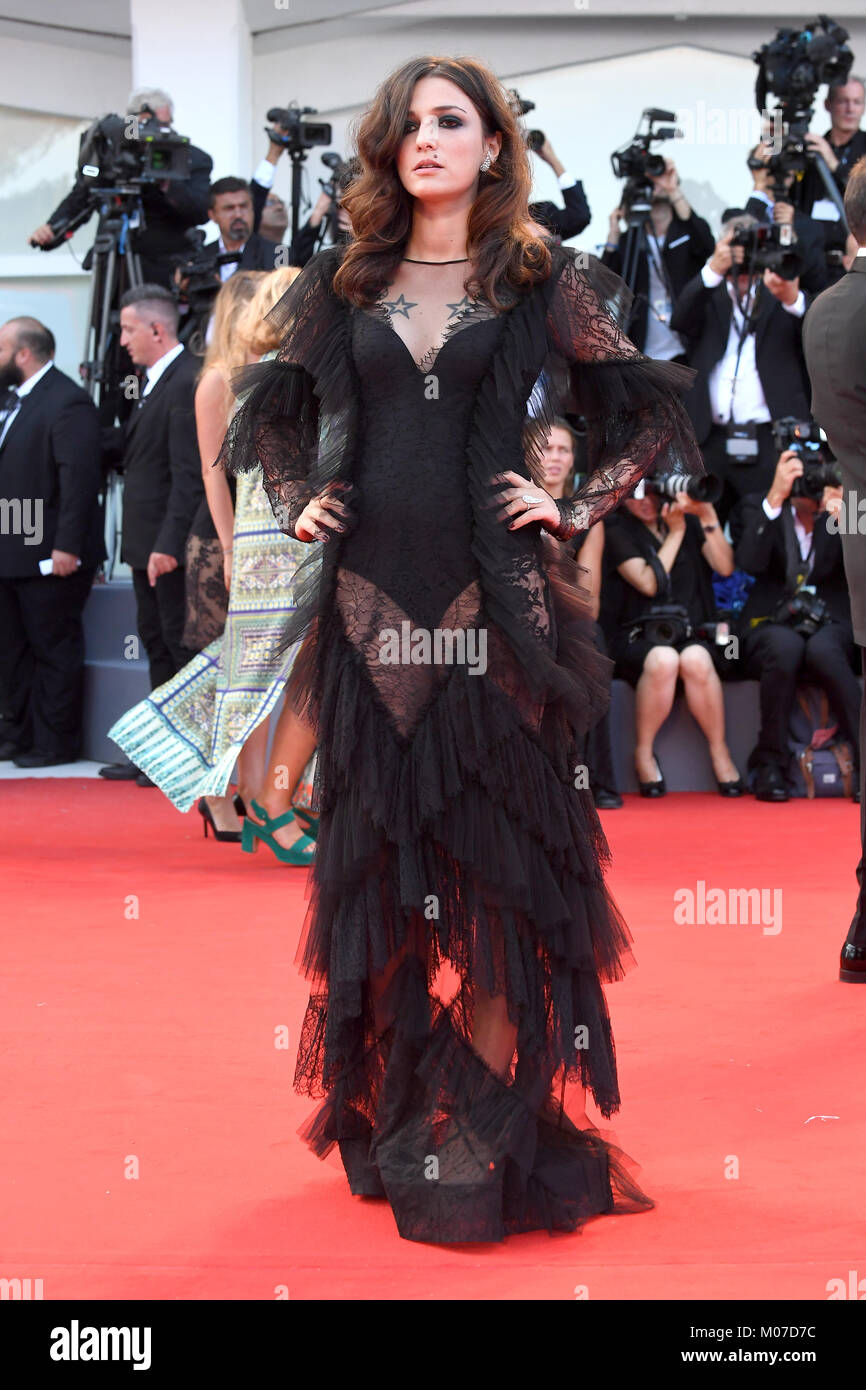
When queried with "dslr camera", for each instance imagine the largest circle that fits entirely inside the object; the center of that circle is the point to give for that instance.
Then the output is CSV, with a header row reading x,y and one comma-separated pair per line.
x,y
809,442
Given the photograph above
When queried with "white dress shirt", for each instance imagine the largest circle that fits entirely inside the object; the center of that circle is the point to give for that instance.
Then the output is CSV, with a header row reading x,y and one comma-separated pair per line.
x,y
661,341
805,538
747,397
155,372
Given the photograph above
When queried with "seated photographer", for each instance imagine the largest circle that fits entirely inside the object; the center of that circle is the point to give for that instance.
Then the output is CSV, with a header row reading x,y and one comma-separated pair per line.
x,y
796,623
170,206
809,235
744,332
230,206
588,550
677,248
659,612
841,146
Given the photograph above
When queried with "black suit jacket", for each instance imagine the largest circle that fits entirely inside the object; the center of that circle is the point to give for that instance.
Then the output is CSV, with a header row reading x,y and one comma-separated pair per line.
x,y
811,189
51,456
834,340
568,220
704,317
258,253
770,551
687,245
810,244
162,468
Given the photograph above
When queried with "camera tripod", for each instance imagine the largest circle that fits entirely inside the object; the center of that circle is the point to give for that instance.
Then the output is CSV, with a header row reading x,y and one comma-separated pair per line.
x,y
115,268
638,202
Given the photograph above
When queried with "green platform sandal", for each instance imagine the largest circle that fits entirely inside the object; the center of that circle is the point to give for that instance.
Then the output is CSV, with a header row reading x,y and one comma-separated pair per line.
x,y
301,853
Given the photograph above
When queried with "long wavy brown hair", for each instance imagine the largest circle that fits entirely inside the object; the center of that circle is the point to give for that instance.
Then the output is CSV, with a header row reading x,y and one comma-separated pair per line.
x,y
507,255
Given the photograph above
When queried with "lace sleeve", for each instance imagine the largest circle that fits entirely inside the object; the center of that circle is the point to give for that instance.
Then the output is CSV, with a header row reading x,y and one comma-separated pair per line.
x,y
631,403
278,426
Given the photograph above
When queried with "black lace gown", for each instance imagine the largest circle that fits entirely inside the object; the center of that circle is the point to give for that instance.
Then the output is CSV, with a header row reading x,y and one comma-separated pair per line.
x,y
452,831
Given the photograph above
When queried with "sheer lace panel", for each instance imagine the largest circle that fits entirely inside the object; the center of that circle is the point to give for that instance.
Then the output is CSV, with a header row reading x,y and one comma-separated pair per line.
x,y
386,638
426,305
370,616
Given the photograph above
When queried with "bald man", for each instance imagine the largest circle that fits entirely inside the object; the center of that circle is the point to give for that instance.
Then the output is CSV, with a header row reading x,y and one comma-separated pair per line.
x,y
51,541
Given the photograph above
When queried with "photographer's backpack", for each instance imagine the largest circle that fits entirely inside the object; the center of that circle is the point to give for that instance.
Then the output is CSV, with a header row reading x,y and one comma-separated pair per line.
x,y
822,763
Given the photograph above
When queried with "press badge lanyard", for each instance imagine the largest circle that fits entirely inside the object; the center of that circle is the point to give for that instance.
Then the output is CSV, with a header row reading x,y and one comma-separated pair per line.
x,y
743,334
654,254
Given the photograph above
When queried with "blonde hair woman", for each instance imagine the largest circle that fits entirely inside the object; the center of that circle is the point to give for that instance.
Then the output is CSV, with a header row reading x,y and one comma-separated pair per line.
x,y
210,534
191,732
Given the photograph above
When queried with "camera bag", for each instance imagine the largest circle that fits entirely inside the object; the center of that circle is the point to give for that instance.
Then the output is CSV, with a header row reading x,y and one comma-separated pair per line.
x,y
822,763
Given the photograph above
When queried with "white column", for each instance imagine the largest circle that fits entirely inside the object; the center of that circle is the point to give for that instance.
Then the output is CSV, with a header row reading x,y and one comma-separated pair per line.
x,y
202,56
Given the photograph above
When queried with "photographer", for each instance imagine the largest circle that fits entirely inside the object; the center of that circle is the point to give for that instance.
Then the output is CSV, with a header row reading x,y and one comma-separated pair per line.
x,y
663,553
677,247
744,333
571,219
567,221
841,146
171,206
809,235
230,206
783,540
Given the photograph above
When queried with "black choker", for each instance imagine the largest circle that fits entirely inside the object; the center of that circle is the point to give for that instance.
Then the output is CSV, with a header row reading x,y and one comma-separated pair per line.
x,y
460,261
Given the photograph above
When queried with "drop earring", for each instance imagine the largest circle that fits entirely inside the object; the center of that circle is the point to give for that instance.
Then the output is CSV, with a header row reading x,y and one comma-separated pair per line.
x,y
485,163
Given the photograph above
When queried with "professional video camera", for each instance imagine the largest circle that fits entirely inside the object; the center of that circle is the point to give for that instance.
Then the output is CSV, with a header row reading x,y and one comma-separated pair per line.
x,y
808,440
534,138
768,246
296,136
792,67
132,150
636,164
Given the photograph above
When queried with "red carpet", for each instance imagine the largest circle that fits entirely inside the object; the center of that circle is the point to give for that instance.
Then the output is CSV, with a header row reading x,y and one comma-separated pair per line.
x,y
148,973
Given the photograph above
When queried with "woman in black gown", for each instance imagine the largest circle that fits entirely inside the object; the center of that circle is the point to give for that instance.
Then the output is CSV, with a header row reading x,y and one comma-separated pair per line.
x,y
391,429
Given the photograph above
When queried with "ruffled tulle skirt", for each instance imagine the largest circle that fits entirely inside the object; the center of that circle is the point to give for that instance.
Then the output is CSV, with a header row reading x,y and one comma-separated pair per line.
x,y
461,857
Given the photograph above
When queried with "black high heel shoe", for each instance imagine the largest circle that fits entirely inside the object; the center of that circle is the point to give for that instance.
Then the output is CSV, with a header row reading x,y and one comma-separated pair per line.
x,y
239,804
227,836
654,788
731,788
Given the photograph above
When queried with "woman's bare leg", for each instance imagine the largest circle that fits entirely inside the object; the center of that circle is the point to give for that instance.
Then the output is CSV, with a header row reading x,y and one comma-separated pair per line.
x,y
704,697
253,762
654,698
294,744
494,1036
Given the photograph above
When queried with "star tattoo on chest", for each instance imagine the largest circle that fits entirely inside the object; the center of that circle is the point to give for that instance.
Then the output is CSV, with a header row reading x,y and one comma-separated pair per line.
x,y
463,306
392,307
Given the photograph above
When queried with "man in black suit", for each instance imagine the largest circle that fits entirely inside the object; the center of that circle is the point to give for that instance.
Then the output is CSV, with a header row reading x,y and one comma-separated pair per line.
x,y
841,146
835,344
744,333
51,541
162,481
171,207
809,235
786,543
678,245
231,208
